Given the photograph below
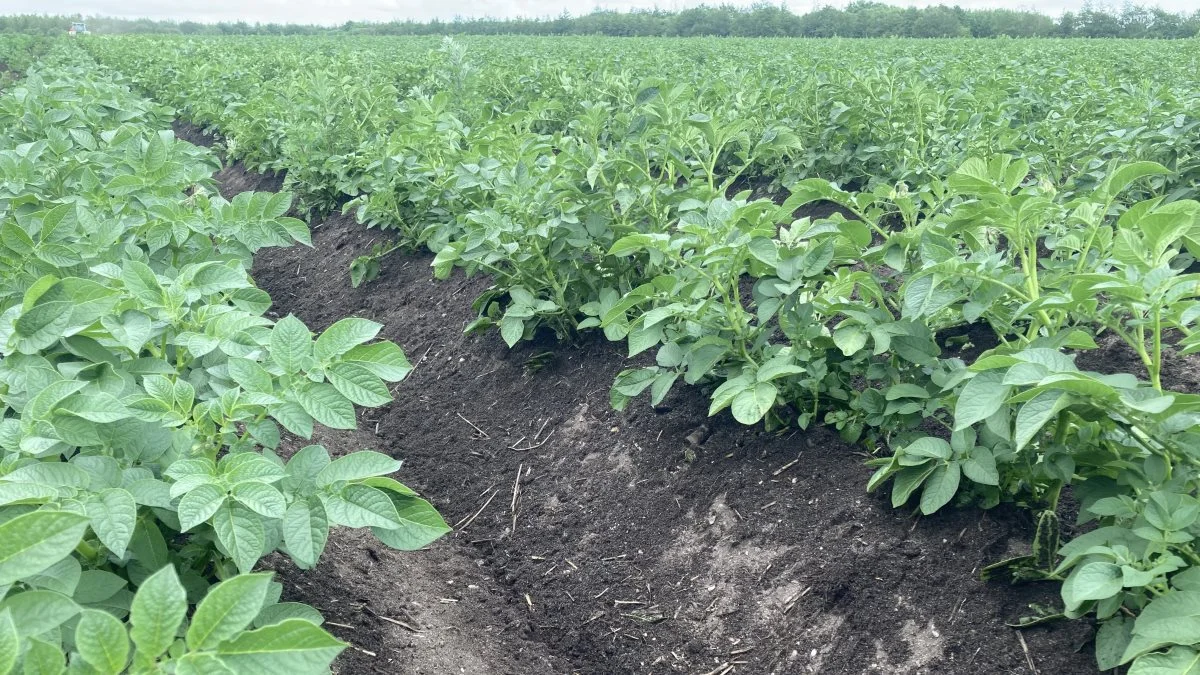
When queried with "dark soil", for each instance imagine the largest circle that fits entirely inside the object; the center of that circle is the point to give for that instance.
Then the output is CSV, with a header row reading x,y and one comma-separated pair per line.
x,y
587,544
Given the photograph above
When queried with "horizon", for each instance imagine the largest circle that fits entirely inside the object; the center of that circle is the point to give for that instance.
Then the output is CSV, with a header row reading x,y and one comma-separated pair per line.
x,y
329,13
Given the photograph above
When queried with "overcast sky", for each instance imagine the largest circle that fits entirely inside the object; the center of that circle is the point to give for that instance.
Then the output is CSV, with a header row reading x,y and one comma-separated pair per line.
x,y
339,11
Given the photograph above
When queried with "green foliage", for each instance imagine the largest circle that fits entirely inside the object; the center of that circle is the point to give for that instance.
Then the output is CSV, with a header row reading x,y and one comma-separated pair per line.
x,y
1002,205
143,390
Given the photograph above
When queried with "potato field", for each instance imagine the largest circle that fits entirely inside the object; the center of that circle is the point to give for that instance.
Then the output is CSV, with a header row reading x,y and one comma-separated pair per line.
x,y
707,356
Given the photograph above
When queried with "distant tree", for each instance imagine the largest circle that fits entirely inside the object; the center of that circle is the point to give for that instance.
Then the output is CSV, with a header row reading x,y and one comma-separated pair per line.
x,y
1097,21
861,18
938,22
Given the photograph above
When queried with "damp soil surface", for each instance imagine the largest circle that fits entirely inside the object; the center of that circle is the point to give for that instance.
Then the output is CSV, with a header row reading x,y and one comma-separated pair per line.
x,y
587,542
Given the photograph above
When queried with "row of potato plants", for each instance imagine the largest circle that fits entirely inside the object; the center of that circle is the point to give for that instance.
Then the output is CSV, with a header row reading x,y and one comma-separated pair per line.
x,y
620,219
142,472
330,110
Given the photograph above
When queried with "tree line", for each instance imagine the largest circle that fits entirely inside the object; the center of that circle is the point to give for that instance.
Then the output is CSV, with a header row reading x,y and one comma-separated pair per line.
x,y
862,18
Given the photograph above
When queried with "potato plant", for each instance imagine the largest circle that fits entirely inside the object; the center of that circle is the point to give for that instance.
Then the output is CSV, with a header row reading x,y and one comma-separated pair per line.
x,y
1037,198
144,390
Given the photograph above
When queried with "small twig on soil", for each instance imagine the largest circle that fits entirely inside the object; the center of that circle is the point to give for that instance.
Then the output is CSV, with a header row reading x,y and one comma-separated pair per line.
x,y
785,467
482,434
541,429
791,602
364,651
516,493
1028,657
340,625
743,650
529,601
595,616
534,446
720,670
390,620
601,593
462,525
764,572
427,349
480,377
957,608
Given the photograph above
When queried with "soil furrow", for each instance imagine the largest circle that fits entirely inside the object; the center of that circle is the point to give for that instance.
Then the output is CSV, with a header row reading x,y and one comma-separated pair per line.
x,y
649,541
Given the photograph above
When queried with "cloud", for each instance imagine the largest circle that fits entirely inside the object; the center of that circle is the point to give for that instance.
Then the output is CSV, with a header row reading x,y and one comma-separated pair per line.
x,y
333,12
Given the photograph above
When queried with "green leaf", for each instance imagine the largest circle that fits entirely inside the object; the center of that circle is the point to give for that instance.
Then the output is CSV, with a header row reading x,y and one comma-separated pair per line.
x,y
131,330
925,296
930,447
1093,581
307,463
326,405
291,345
905,390
293,647
980,467
362,506
98,586
630,244
10,642
815,260
241,532
512,329
1171,619
753,403
42,326
1035,413
251,376
261,498
102,641
385,359
1124,176
940,487
420,525
1177,661
850,339
908,480
216,278
305,531
36,612
43,658
34,541
293,418
356,465
201,663
358,384
1111,641
113,514
980,398
228,608
343,336
199,504
156,613
281,611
